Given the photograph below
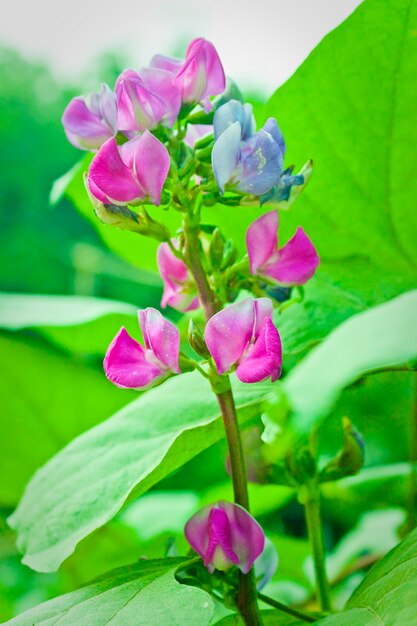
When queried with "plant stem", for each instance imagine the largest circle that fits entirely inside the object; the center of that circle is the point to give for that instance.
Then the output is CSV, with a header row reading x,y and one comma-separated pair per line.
x,y
246,596
311,503
287,609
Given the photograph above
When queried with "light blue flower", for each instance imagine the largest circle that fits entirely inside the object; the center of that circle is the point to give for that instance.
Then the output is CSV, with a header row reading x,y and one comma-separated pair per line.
x,y
244,160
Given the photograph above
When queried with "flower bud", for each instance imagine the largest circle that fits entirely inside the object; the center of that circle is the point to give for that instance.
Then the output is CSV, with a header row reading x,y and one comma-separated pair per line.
x,y
225,535
350,459
216,249
179,288
196,339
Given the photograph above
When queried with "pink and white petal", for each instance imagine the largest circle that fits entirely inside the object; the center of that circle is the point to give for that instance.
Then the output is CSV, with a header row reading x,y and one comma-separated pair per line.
x,y
110,175
262,240
159,82
216,79
248,539
170,64
264,360
152,163
170,267
125,364
228,333
108,107
161,337
297,261
263,310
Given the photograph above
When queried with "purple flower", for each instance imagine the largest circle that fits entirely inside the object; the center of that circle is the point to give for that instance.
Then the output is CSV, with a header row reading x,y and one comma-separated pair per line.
x,y
224,535
128,364
179,288
131,173
89,121
146,99
293,264
244,336
244,160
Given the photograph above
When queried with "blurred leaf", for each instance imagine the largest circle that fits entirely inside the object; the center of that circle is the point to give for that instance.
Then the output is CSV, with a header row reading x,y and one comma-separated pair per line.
x,y
263,498
269,618
387,595
48,399
85,485
382,338
141,594
77,323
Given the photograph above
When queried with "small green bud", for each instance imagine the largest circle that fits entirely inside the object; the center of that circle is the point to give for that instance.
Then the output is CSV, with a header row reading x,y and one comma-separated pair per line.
x,y
204,142
230,254
216,249
350,459
196,339
301,465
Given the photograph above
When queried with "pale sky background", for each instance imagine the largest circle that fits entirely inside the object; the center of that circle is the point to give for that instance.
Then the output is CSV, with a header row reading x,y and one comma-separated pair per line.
x,y
260,42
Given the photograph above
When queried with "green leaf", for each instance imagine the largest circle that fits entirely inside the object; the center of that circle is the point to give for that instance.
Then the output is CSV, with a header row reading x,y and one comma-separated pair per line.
x,y
48,399
86,484
383,337
387,595
348,108
143,594
77,323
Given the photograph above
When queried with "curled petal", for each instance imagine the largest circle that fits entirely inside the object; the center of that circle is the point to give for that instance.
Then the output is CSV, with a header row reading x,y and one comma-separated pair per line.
x,y
110,180
231,112
263,309
138,107
262,162
225,155
161,337
202,73
174,273
126,365
297,261
170,64
224,534
271,127
228,333
149,160
159,82
264,358
262,240
87,127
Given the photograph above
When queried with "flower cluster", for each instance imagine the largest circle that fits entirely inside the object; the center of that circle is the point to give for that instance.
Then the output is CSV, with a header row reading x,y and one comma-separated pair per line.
x,y
172,134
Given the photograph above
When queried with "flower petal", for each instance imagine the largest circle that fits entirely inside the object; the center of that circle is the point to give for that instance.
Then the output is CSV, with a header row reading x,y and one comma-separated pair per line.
x,y
138,107
159,82
175,275
202,73
263,309
83,128
109,174
161,337
262,162
297,261
149,160
170,64
125,364
264,360
262,240
228,333
271,127
225,155
231,112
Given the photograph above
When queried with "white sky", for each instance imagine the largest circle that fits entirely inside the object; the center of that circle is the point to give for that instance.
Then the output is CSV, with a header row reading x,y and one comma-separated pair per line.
x,y
260,42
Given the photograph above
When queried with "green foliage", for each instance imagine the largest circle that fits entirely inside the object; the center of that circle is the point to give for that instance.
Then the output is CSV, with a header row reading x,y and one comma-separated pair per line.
x,y
384,337
269,618
143,594
119,459
387,594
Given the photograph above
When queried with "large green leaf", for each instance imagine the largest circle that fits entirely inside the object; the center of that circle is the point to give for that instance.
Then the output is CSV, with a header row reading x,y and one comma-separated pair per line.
x,y
387,595
348,107
86,484
269,618
48,399
383,337
143,594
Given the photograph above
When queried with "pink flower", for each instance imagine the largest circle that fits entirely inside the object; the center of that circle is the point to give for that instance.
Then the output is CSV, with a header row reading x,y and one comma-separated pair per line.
x,y
131,173
146,99
179,288
224,535
202,73
128,364
89,121
244,336
293,264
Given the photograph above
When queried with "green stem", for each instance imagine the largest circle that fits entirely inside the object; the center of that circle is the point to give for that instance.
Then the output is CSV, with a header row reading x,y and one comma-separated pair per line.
x,y
287,609
246,596
311,501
